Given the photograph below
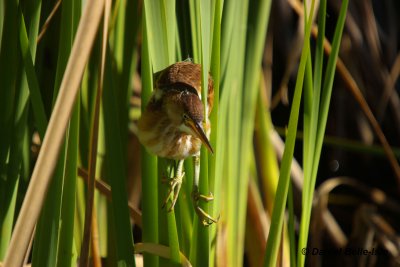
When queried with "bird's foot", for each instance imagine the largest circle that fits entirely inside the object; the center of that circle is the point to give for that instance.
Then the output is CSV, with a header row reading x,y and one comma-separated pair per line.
x,y
174,185
204,217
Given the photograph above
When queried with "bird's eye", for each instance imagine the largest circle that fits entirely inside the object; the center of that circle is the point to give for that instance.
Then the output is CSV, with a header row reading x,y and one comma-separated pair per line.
x,y
185,116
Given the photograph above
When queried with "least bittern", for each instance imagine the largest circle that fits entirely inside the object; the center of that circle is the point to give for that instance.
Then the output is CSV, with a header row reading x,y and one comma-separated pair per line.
x,y
173,125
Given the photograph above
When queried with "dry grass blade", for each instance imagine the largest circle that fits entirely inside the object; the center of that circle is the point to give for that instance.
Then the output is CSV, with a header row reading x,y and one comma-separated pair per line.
x,y
48,155
258,223
371,27
390,92
294,53
324,219
25,265
356,92
358,96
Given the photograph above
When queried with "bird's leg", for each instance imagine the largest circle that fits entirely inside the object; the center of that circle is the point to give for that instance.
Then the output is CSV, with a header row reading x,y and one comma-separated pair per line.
x,y
205,218
174,185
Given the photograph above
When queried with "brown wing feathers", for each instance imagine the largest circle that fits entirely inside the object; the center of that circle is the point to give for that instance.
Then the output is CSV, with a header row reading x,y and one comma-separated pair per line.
x,y
184,74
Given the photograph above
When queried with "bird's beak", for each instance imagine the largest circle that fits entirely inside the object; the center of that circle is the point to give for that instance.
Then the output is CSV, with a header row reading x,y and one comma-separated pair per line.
x,y
198,130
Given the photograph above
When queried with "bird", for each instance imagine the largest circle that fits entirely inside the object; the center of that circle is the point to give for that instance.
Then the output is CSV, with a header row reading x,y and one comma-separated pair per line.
x,y
174,125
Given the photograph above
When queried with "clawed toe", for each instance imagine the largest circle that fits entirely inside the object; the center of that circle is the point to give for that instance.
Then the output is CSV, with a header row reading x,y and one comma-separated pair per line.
x,y
204,217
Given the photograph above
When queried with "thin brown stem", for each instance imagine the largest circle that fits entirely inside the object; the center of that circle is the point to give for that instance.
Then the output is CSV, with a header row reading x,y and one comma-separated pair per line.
x,y
48,20
94,134
105,190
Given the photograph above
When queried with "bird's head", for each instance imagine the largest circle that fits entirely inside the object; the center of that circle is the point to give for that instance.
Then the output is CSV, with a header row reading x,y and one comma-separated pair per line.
x,y
185,110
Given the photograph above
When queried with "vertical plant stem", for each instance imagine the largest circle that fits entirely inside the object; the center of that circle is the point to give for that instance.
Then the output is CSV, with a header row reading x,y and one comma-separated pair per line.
x,y
64,254
94,134
274,237
149,163
8,75
321,116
